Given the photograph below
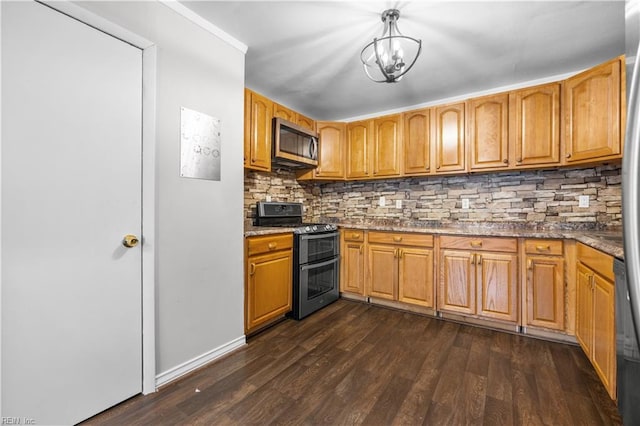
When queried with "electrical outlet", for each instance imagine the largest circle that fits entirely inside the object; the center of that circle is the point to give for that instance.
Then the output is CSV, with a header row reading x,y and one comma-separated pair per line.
x,y
382,202
398,204
268,198
583,201
465,203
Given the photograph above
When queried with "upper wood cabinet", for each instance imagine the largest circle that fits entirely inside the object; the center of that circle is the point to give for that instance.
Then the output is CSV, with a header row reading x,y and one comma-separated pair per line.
x,y
285,113
306,122
359,135
387,145
331,151
416,141
488,132
450,138
534,131
592,103
257,134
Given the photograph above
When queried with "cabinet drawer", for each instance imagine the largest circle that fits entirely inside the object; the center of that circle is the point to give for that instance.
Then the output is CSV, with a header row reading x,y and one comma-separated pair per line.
x,y
596,260
401,238
267,243
479,243
550,247
353,234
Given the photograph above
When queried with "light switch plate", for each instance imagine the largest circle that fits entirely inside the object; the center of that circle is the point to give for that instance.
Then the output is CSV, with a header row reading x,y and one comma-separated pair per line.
x,y
382,202
398,204
583,201
465,203
268,198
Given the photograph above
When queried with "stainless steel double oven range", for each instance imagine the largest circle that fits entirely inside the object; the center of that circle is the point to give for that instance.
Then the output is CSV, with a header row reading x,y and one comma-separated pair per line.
x,y
316,256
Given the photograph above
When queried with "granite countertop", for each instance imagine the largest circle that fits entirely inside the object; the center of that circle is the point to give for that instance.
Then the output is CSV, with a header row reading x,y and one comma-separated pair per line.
x,y
608,241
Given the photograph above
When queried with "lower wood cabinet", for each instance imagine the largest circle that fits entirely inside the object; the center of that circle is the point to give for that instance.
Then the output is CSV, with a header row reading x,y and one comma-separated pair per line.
x,y
595,313
400,268
478,277
268,279
545,289
352,264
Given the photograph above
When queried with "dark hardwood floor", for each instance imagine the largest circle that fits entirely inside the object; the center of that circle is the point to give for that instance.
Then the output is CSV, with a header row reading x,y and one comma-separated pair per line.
x,y
353,363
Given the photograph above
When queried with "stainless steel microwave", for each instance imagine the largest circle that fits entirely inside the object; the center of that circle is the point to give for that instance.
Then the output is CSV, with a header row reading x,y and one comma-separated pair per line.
x,y
294,146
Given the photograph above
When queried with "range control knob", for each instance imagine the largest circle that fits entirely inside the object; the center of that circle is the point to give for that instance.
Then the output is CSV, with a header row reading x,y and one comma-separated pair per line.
x,y
315,228
308,228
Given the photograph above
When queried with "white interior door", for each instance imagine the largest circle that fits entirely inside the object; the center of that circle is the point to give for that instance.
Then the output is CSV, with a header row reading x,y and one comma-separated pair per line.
x,y
71,190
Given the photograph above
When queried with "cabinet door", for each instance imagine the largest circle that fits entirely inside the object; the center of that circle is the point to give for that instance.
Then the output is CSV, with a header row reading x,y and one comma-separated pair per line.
x,y
260,116
450,141
306,122
331,150
358,137
352,268
584,309
488,132
285,113
535,129
417,142
456,282
383,272
269,287
387,146
604,334
545,291
415,276
497,278
592,111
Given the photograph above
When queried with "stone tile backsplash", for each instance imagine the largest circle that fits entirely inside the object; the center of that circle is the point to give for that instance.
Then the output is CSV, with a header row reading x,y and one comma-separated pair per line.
x,y
535,197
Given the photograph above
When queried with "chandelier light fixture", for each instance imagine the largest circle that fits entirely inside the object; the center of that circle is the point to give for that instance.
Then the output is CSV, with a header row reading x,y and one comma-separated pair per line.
x,y
388,58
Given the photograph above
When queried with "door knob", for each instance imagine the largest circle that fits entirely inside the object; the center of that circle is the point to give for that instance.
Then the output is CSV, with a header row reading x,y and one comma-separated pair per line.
x,y
130,241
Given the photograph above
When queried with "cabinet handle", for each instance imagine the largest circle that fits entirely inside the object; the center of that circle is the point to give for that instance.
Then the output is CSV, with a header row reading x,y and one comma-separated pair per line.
x,y
252,268
272,246
397,239
568,155
519,160
543,248
354,235
477,243
529,264
473,259
591,282
400,253
360,249
478,259
395,252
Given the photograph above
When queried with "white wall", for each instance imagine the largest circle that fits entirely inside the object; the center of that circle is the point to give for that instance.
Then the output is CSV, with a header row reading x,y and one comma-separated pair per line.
x,y
199,276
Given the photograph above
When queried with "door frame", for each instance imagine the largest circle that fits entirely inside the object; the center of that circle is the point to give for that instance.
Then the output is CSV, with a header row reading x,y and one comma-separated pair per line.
x,y
149,231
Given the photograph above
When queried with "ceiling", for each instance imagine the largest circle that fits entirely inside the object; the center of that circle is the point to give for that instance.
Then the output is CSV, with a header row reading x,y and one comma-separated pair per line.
x,y
306,54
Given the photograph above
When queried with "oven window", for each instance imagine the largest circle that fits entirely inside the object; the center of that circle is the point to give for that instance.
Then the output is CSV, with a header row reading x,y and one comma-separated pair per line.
x,y
321,279
321,248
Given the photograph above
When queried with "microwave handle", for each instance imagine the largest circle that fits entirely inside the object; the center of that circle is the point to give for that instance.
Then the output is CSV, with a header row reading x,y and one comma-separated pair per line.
x,y
313,149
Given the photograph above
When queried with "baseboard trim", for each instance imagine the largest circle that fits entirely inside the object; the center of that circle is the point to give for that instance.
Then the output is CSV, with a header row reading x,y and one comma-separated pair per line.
x,y
199,361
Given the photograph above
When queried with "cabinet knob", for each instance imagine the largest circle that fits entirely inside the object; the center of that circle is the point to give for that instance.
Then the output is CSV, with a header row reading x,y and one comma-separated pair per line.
x,y
355,235
272,246
252,268
568,155
505,161
253,160
519,160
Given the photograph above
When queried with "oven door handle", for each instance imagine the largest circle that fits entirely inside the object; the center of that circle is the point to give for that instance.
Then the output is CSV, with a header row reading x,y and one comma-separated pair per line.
x,y
318,236
319,265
